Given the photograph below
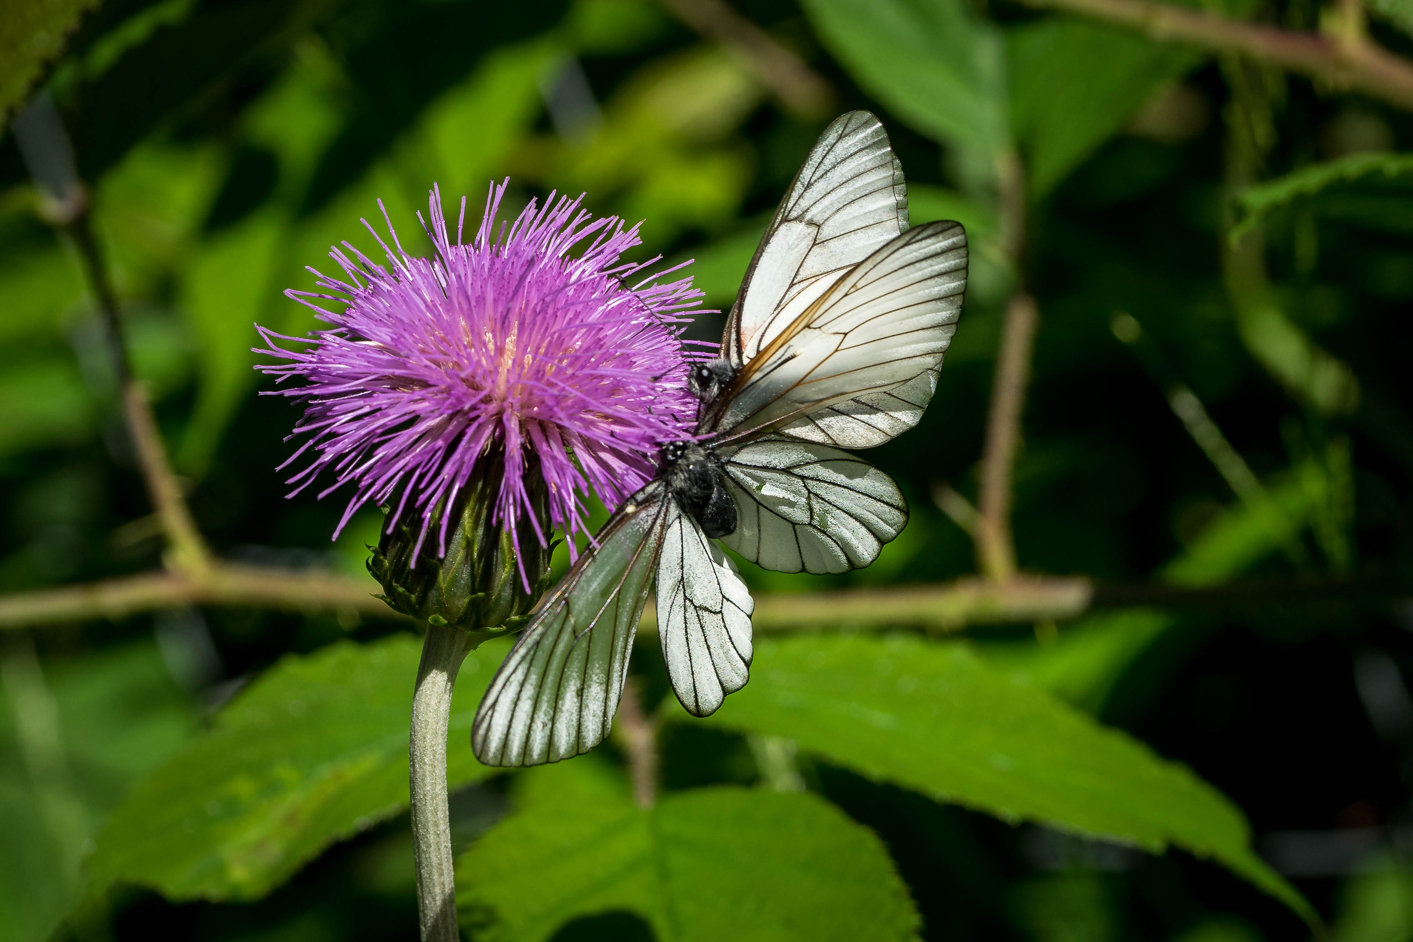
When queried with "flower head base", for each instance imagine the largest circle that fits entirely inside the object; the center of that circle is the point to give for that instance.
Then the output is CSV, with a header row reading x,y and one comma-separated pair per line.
x,y
524,353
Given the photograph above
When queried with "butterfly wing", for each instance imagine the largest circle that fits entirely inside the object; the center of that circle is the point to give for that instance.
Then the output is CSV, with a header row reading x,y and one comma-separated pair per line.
x,y
703,616
847,200
855,367
555,695
807,507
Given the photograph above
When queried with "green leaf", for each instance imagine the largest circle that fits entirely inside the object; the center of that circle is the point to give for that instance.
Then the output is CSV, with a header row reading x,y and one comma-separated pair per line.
x,y
32,35
1073,85
74,736
1370,188
708,864
313,752
935,718
931,62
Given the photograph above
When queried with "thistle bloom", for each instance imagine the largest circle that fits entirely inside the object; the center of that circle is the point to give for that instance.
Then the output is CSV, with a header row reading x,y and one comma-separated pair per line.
x,y
524,353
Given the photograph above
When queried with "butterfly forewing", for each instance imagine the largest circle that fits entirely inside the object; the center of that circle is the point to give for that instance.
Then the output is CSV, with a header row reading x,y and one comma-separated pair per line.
x,y
803,507
883,325
703,615
556,693
847,200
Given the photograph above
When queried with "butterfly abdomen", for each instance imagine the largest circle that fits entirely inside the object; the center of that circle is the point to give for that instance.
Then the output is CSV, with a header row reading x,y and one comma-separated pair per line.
x,y
694,477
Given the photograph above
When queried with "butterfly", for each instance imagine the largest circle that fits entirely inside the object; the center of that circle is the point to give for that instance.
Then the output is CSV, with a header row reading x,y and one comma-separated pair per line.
x,y
834,342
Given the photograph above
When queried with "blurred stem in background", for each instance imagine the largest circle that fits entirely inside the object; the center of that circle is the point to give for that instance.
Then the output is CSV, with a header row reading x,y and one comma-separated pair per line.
x,y
64,202
995,546
799,88
1343,56
637,733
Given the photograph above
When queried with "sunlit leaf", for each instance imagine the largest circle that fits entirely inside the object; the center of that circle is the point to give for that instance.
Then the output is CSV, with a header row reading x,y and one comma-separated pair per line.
x,y
313,752
935,718
708,864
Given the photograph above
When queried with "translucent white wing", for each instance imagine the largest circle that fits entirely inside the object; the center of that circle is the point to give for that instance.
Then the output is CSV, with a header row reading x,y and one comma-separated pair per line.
x,y
703,617
807,507
847,200
870,419
877,330
555,695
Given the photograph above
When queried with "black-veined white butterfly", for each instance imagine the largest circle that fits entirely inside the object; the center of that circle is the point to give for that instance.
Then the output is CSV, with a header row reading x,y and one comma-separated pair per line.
x,y
834,341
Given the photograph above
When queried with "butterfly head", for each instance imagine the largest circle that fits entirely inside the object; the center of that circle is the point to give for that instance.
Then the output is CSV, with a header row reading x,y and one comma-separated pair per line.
x,y
708,379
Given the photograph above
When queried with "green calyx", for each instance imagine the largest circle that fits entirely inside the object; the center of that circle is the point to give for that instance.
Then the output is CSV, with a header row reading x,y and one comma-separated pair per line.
x,y
477,586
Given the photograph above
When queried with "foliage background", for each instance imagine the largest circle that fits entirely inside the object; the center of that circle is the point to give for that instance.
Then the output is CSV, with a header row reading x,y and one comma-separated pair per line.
x,y
230,772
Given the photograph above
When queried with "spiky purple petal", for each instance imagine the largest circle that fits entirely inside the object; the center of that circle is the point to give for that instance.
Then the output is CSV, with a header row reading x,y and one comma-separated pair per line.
x,y
526,347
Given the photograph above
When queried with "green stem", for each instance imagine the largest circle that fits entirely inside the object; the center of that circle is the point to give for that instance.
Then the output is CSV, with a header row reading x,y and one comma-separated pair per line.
x,y
442,653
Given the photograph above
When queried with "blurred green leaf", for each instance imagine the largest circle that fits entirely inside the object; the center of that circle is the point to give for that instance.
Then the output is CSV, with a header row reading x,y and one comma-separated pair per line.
x,y
1073,85
1332,189
468,131
933,64
717,269
32,35
1374,906
1397,12
313,752
664,151
227,287
932,203
115,716
36,288
43,404
935,718
1078,906
708,864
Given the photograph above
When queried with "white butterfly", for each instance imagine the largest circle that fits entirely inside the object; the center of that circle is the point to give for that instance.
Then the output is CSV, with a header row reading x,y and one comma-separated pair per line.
x,y
835,341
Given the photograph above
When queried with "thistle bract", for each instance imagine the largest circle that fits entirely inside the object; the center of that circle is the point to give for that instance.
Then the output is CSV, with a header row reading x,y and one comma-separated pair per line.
x,y
528,361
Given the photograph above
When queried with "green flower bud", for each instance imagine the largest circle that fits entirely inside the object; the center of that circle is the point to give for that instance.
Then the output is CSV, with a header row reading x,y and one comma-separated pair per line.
x,y
477,586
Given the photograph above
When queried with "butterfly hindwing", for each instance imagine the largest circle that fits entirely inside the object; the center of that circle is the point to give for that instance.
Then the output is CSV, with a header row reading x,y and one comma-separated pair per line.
x,y
703,616
558,689
805,507
847,200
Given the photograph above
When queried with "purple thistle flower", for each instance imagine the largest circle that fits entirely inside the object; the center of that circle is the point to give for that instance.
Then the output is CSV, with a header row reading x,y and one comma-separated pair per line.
x,y
510,351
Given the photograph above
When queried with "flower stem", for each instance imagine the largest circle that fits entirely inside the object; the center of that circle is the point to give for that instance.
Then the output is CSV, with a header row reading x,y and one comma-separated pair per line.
x,y
442,653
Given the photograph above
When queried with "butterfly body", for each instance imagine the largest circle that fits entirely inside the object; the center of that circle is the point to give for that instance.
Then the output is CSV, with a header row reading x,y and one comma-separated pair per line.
x,y
693,475
834,344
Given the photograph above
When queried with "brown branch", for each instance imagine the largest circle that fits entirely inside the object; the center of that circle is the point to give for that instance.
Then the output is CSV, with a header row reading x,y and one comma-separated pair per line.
x,y
1348,60
187,551
638,735
221,584
799,88
64,203
939,608
995,551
